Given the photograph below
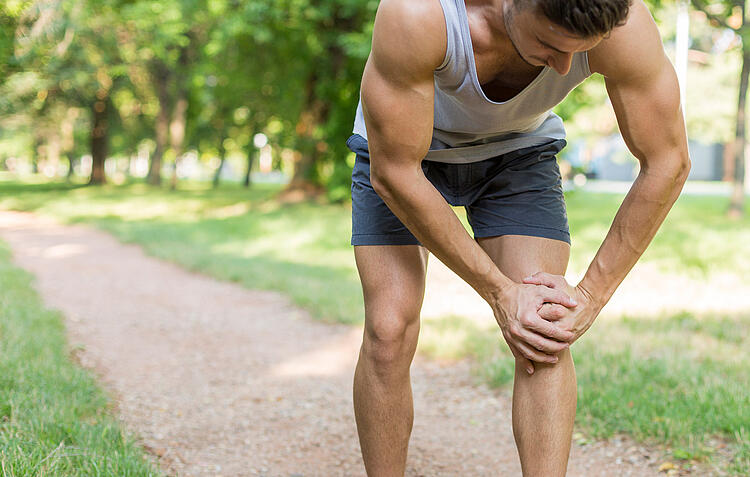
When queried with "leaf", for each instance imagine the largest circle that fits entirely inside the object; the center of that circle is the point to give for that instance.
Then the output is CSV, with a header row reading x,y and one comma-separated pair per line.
x,y
666,466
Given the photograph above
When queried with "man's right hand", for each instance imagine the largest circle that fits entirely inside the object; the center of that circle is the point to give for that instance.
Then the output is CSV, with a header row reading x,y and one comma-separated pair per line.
x,y
529,336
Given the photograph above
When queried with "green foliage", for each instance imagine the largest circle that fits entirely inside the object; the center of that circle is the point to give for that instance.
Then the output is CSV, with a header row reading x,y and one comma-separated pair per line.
x,y
709,117
290,69
731,16
10,11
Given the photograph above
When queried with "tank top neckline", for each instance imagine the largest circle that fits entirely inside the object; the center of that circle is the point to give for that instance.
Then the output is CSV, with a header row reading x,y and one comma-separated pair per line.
x,y
469,51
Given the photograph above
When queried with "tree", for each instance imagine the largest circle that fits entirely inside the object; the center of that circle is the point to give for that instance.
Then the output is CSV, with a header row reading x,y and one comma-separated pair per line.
x,y
338,44
732,14
82,73
316,52
168,71
9,15
162,37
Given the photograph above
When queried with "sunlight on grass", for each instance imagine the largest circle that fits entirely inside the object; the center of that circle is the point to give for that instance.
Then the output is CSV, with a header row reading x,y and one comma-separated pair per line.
x,y
681,380
454,337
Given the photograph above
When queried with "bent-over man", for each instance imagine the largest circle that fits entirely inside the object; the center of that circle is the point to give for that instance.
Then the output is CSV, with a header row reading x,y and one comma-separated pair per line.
x,y
455,110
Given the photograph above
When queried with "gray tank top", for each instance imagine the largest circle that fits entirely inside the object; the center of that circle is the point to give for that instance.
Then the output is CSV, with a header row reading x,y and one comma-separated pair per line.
x,y
470,127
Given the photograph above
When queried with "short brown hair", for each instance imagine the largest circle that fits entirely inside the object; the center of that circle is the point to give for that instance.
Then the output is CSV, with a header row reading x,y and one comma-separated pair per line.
x,y
587,18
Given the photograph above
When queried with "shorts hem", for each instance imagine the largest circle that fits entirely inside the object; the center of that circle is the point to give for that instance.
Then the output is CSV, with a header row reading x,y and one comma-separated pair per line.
x,y
528,230
384,239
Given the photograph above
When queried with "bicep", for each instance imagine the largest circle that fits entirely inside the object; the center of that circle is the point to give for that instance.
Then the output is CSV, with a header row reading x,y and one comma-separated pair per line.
x,y
648,112
643,88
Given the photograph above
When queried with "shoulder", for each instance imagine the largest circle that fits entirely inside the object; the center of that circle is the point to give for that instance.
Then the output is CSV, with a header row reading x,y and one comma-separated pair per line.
x,y
633,50
409,35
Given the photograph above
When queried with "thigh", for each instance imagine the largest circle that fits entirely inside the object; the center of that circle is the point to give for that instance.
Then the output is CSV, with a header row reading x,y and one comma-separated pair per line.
x,y
519,256
393,283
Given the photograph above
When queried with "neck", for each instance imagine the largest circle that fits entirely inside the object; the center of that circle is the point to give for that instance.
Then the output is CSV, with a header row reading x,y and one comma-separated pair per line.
x,y
492,14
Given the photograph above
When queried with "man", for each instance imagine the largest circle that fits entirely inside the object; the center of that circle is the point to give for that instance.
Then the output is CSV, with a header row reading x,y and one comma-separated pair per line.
x,y
455,105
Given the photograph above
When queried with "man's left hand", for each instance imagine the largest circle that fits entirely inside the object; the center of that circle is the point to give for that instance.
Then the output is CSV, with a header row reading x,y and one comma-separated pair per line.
x,y
576,320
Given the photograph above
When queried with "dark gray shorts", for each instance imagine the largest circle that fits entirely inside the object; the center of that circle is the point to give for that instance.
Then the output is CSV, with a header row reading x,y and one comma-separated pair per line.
x,y
519,193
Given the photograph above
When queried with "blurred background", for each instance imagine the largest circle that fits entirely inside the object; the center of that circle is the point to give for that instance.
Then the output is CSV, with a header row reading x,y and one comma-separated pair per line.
x,y
265,91
212,134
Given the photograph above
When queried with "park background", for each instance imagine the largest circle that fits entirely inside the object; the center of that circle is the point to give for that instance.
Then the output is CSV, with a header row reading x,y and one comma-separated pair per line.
x,y
213,134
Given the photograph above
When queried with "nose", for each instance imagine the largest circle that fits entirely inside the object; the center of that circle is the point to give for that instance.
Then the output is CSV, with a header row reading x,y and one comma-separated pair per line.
x,y
561,63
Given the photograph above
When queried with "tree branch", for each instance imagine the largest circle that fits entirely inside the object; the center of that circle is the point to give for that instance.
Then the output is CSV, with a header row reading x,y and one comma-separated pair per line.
x,y
700,5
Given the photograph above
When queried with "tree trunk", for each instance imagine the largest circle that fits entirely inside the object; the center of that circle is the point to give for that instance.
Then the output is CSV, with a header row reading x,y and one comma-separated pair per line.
x,y
315,114
99,139
71,168
179,114
222,157
177,133
160,74
53,152
67,128
250,160
36,154
736,206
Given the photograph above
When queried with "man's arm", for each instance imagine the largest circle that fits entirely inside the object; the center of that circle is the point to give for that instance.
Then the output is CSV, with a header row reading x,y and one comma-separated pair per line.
x,y
409,43
643,88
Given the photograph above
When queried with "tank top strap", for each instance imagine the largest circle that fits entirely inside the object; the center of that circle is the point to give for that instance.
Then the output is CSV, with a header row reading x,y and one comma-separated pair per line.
x,y
454,35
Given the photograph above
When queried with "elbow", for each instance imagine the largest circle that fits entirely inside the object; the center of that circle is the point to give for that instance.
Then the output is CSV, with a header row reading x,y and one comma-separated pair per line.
x,y
673,170
394,180
675,167
380,180
683,169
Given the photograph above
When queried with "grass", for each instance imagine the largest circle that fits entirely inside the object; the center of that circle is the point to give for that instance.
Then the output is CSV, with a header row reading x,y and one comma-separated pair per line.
x,y
54,420
677,381
236,235
696,238
680,381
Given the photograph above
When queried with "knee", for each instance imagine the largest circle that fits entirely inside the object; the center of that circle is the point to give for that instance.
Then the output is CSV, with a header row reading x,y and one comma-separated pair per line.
x,y
563,365
390,339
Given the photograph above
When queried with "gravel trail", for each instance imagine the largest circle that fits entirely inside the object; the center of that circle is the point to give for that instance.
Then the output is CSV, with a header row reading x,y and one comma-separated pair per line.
x,y
218,380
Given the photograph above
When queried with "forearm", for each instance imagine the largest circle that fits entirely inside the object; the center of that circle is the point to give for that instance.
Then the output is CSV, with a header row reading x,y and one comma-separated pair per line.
x,y
416,202
639,217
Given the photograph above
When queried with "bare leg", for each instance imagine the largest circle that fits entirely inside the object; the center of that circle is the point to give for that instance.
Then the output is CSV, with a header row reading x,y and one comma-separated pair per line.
x,y
544,404
393,284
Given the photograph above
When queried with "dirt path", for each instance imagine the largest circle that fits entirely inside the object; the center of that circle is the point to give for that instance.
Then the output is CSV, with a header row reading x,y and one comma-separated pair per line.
x,y
220,380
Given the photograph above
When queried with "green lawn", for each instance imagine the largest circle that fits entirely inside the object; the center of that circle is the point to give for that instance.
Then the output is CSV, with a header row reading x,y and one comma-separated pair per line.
x,y
679,381
54,419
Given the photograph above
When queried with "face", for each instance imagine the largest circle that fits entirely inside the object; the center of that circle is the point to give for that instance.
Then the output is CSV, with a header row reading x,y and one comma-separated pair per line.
x,y
540,42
